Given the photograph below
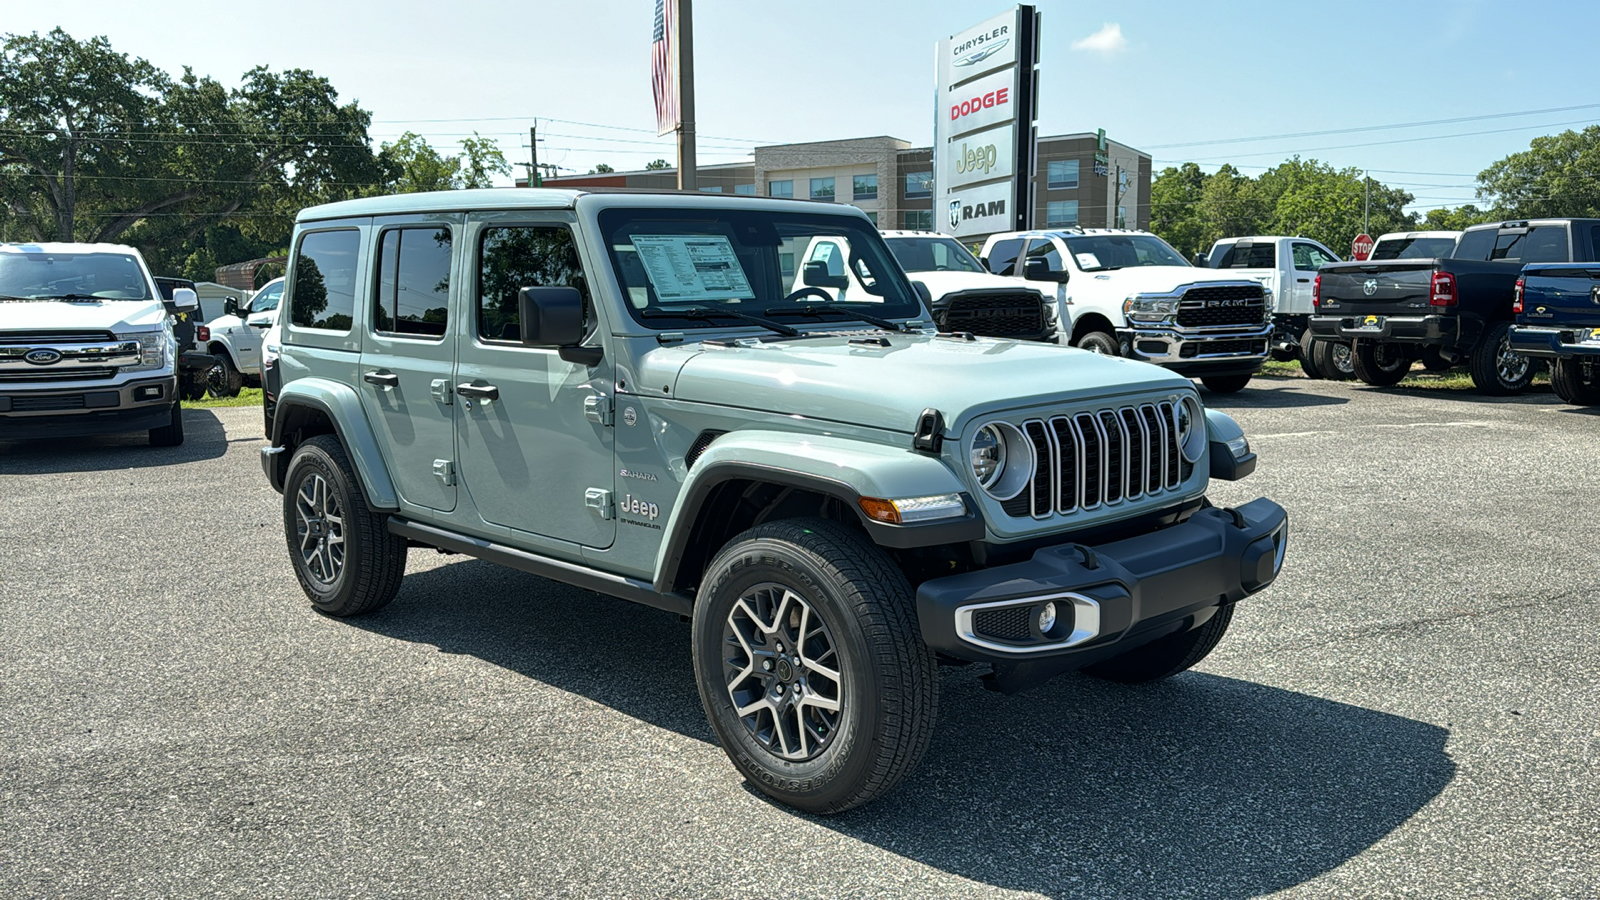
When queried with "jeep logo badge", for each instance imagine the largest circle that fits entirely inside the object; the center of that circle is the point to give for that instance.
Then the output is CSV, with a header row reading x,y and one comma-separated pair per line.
x,y
42,356
1370,287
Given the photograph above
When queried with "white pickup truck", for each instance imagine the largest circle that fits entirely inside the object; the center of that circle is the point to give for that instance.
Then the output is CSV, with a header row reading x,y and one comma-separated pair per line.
x,y
1287,265
1128,293
86,344
234,339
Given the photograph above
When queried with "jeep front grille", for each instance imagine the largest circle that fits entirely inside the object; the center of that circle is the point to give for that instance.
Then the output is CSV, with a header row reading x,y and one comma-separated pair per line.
x,y
1241,304
1089,459
994,315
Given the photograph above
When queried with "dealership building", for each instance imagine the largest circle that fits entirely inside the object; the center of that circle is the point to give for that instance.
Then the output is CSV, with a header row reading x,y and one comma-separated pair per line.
x,y
1075,181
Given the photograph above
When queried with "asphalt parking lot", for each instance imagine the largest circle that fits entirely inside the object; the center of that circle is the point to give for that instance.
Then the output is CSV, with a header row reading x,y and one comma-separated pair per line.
x,y
1414,708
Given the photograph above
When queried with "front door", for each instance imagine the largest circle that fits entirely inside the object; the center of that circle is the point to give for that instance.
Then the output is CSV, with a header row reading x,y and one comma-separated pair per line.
x,y
407,358
1308,258
531,458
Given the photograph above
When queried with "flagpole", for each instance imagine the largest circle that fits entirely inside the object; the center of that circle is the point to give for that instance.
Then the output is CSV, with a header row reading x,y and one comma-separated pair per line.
x,y
683,36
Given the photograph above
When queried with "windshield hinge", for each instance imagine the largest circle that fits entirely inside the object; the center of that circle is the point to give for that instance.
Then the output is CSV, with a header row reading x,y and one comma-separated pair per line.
x,y
929,436
599,500
597,408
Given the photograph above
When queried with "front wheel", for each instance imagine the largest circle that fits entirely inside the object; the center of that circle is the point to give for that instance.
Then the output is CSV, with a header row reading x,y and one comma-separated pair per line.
x,y
347,561
810,665
1575,383
1225,384
1165,657
1378,363
1497,369
1097,342
170,434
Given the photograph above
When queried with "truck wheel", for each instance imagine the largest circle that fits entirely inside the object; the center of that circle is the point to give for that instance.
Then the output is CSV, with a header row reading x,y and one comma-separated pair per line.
x,y
224,380
347,561
192,384
1307,355
1498,370
1334,360
1378,363
1225,384
1165,657
1097,342
1572,385
170,434
811,668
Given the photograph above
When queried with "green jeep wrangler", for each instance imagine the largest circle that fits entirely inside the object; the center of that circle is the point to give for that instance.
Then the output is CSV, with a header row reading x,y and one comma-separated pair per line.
x,y
638,395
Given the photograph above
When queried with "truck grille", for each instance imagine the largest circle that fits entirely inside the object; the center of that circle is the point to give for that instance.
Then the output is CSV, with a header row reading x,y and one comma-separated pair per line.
x,y
994,315
46,374
1086,460
1212,348
46,404
1241,304
55,337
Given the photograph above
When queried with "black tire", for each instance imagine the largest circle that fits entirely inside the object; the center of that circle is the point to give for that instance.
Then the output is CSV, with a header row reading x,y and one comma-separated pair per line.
x,y
1165,657
1307,355
1378,363
1334,359
170,434
1433,360
1097,342
1225,384
887,685
1571,385
224,379
192,384
367,574
1496,369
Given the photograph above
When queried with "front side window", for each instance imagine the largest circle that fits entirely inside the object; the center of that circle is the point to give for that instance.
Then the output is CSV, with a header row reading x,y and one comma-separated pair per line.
x,y
268,298
919,185
324,289
864,187
822,188
1063,174
1046,250
413,282
933,255
1108,252
1003,256
514,257
100,276
1060,213
780,188
1310,257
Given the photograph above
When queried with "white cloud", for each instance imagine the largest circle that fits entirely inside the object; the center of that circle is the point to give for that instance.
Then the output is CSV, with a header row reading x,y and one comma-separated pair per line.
x,y
1107,40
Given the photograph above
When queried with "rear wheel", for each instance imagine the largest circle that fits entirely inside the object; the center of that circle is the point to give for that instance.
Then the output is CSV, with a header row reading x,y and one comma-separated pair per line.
x,y
1097,342
347,561
1165,657
1378,363
1575,385
1498,370
1225,384
224,379
1308,362
1334,360
170,434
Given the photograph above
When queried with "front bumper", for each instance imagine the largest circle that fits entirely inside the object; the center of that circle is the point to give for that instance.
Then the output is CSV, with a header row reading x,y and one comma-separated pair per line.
x,y
1444,331
1534,340
1197,351
76,412
1108,598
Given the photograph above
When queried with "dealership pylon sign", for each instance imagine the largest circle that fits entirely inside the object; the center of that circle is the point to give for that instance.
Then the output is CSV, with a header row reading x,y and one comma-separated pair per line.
x,y
984,132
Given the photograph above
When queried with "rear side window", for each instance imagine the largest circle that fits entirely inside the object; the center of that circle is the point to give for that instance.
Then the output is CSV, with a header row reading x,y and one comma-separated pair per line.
x,y
1249,256
325,279
413,282
1003,256
1475,244
510,259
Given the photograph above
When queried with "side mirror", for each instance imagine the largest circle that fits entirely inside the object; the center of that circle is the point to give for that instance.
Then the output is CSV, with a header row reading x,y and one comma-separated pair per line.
x,y
185,299
815,274
230,307
1200,260
553,317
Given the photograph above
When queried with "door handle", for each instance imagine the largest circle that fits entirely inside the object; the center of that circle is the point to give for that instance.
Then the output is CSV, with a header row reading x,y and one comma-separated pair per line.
x,y
382,379
1303,280
260,324
481,391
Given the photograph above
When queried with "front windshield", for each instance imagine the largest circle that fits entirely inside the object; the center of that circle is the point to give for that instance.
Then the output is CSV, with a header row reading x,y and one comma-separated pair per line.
x,y
751,262
97,276
1105,252
932,255
1414,248
267,299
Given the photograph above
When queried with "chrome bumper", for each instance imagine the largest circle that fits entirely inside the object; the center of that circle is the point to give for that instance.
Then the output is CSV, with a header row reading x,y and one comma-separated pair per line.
x,y
1162,343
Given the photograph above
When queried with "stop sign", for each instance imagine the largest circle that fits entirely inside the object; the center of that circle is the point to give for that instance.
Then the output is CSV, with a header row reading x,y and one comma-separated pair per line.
x,y
1361,247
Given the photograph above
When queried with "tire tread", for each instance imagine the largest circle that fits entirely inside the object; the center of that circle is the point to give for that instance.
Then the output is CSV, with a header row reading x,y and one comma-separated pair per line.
x,y
378,574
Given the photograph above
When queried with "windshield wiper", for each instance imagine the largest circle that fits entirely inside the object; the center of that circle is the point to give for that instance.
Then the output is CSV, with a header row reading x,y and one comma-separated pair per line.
x,y
68,297
812,309
701,312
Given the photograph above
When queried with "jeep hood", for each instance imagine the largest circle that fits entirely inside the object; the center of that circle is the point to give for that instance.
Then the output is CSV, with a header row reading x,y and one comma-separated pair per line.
x,y
1158,279
88,315
831,378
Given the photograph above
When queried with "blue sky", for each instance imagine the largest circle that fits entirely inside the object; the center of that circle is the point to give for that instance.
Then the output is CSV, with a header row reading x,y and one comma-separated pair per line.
x,y
1167,74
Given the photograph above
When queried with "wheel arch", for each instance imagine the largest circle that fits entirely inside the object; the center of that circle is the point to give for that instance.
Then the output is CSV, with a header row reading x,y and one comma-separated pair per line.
x,y
311,406
1093,321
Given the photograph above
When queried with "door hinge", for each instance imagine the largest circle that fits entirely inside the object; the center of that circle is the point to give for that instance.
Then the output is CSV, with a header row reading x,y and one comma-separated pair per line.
x,y
599,500
597,408
440,388
445,471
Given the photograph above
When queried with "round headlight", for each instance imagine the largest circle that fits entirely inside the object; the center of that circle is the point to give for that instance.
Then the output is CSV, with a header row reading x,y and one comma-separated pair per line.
x,y
988,455
1191,428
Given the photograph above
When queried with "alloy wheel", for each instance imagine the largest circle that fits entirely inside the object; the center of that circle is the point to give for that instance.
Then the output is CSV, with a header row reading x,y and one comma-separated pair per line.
x,y
1340,354
782,672
1510,365
319,525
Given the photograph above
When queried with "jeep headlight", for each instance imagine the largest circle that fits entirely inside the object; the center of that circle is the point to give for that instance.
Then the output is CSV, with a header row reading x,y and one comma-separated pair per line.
x,y
1188,419
1001,459
1149,309
988,455
152,349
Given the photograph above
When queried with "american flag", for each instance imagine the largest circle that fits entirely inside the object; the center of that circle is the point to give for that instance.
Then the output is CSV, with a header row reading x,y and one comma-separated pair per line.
x,y
663,68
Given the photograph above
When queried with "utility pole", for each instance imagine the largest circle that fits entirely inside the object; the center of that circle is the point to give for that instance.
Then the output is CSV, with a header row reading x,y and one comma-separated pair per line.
x,y
1366,203
683,36
535,178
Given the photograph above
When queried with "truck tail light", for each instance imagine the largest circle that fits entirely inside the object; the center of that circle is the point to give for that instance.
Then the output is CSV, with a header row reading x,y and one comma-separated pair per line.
x,y
202,333
1316,293
1516,297
1442,290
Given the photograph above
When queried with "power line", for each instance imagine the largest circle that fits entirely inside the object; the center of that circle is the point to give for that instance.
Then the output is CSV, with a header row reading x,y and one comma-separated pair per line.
x,y
1301,134
1434,137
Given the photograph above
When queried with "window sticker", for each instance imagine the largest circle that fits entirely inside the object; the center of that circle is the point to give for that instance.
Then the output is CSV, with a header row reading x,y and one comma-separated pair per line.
x,y
1088,261
683,267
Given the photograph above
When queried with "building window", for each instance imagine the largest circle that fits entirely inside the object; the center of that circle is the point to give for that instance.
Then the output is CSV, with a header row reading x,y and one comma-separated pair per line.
x,y
713,189
1063,174
865,187
1122,217
744,189
873,215
919,184
917,220
780,189
1060,213
822,188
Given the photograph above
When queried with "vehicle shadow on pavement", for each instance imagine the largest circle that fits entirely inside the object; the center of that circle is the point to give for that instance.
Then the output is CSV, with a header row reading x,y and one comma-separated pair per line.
x,y
1201,786
203,438
1273,394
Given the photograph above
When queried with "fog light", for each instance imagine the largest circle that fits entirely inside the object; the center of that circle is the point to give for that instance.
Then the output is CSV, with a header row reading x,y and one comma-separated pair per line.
x,y
147,392
1047,617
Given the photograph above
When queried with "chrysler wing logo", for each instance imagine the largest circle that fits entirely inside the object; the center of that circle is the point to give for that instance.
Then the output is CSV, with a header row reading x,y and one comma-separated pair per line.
x,y
42,356
973,59
955,214
1370,287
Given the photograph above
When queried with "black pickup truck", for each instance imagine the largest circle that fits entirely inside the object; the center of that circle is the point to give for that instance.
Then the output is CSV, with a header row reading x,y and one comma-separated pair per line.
x,y
1446,311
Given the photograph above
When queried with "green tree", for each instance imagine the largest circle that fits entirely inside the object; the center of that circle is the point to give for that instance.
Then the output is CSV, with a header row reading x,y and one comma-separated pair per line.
x,y
413,165
658,164
1555,176
1312,199
601,169
1175,208
1457,219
